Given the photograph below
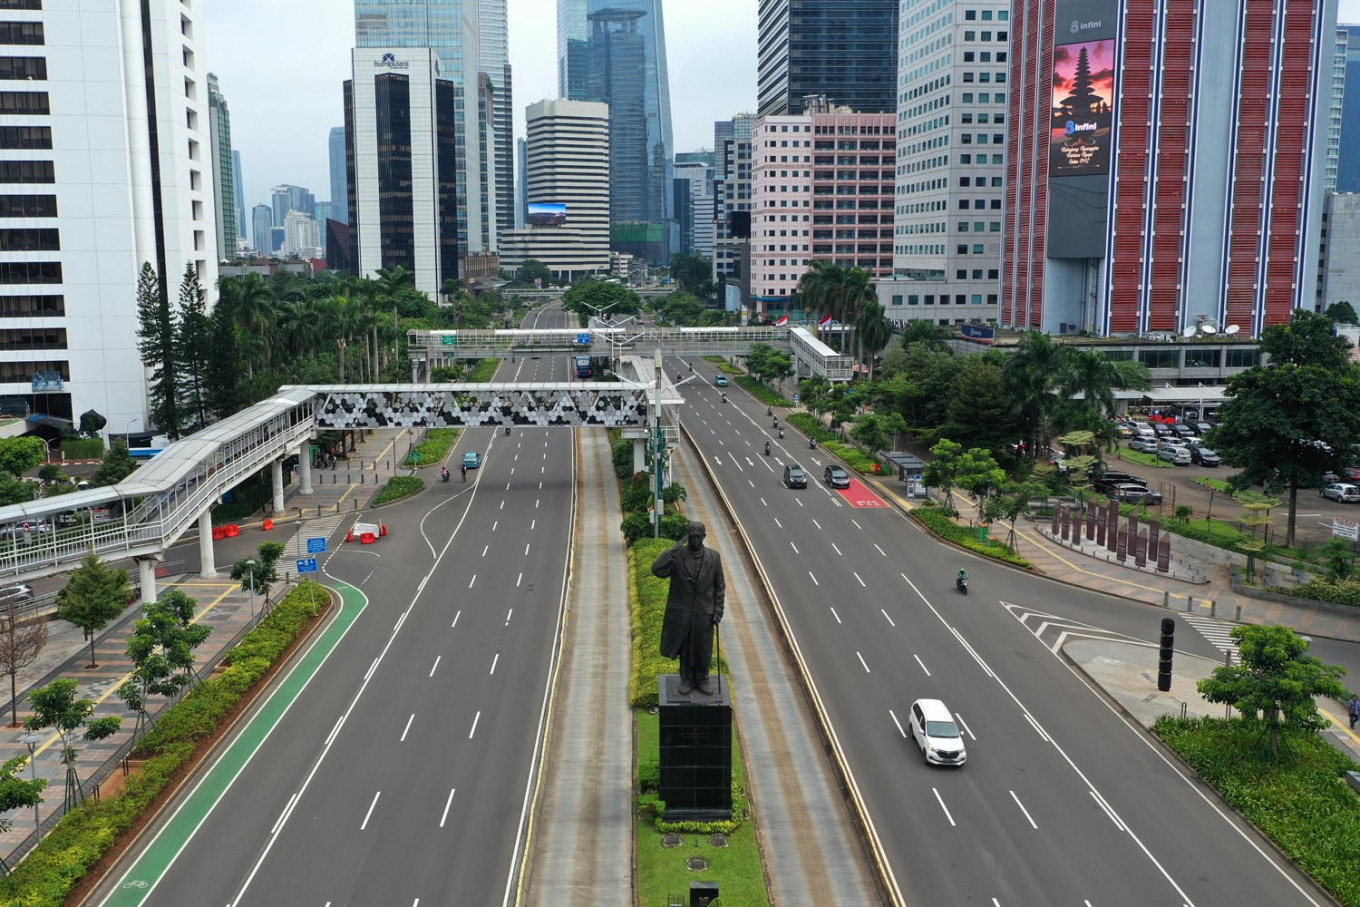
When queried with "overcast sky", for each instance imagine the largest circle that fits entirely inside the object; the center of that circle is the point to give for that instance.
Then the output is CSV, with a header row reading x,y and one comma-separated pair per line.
x,y
281,65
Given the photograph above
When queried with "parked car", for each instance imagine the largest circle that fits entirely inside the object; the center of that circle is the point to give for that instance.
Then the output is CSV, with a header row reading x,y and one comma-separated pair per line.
x,y
836,477
1145,445
1129,493
720,381
1112,477
1123,430
1342,492
1144,430
1174,454
1162,429
794,477
1203,456
1183,430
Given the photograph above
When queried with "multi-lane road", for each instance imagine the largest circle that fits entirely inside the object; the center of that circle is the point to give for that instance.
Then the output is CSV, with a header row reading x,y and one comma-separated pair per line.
x,y
1062,800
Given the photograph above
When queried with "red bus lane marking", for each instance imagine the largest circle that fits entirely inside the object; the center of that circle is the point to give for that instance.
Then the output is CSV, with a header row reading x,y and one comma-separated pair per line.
x,y
859,495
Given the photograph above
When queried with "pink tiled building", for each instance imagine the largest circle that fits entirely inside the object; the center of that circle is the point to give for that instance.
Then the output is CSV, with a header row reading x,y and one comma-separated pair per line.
x,y
822,186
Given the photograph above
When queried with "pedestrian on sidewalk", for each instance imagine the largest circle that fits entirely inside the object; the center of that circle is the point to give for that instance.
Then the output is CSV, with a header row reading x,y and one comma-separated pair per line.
x,y
1353,709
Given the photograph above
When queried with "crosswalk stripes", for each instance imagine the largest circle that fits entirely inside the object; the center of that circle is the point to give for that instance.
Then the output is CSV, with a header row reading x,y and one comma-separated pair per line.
x,y
1216,632
296,546
1054,631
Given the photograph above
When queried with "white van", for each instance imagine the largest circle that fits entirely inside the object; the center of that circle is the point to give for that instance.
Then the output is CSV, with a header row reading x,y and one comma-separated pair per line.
x,y
936,733
1143,430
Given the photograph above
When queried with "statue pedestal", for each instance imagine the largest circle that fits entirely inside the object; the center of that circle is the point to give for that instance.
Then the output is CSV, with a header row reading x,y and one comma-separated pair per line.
x,y
696,751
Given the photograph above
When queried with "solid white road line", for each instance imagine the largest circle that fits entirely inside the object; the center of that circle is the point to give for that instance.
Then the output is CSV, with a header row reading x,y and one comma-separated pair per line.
x,y
406,730
898,723
283,816
435,665
864,663
472,581
963,724
494,661
455,620
837,616
369,814
885,614
475,718
1035,724
1028,817
921,663
447,804
335,730
814,578
1100,801
943,807
861,582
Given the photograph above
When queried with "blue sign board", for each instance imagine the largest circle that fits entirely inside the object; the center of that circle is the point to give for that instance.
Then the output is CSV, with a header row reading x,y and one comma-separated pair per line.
x,y
306,565
583,338
316,546
978,331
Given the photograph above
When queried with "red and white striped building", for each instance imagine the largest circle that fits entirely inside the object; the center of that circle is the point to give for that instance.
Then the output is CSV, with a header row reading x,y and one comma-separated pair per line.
x,y
1196,197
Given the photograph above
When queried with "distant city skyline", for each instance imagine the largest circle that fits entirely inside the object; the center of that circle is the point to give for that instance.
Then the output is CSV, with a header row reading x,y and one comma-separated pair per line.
x,y
711,49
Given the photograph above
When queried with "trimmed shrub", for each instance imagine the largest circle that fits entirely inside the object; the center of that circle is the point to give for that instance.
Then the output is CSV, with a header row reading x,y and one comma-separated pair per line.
x,y
766,395
434,448
621,453
935,519
855,458
809,425
1320,590
82,448
398,487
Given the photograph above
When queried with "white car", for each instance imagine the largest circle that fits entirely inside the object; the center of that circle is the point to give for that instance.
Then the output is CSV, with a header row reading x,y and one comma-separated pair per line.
x,y
1342,492
936,733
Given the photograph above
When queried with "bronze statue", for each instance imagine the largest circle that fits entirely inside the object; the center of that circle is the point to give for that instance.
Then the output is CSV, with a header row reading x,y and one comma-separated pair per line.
x,y
693,607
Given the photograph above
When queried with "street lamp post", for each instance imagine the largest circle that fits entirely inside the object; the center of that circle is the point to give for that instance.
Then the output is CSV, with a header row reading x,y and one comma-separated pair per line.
x,y
252,565
49,447
31,741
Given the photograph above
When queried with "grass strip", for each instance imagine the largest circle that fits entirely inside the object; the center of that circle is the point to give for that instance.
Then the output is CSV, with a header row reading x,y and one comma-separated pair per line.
x,y
811,426
1219,485
1299,800
766,395
398,487
54,868
855,458
433,449
1143,459
938,522
484,372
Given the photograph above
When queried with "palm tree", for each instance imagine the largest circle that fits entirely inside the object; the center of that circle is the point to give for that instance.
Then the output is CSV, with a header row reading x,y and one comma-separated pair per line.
x,y
924,332
1096,377
252,302
1032,373
874,332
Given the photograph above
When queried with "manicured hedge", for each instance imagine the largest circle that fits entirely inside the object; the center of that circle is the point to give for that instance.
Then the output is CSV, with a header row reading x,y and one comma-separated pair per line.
x,y
811,426
648,600
855,458
935,519
766,395
397,488
82,448
1300,800
1323,591
434,448
58,864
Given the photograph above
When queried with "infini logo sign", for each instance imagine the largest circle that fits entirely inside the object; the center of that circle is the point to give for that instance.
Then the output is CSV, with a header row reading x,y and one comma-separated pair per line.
x,y
1078,26
1074,128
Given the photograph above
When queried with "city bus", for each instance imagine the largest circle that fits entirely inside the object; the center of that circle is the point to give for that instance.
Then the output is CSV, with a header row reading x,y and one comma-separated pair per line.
x,y
585,368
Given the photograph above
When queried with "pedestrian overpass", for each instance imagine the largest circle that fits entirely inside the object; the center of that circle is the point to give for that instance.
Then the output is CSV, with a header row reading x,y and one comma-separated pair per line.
x,y
150,510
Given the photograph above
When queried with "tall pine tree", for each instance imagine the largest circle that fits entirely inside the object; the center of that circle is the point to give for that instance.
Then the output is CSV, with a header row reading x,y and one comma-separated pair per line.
x,y
192,349
156,343
222,379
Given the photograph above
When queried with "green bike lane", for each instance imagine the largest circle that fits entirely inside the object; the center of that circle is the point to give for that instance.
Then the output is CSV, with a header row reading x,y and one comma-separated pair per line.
x,y
141,878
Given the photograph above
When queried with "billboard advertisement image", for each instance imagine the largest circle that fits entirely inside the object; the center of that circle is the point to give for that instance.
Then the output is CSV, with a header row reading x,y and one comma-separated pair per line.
x,y
546,214
1081,115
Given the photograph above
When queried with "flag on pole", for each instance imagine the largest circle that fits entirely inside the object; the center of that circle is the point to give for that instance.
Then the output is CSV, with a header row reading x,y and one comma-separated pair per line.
x,y
826,319
783,320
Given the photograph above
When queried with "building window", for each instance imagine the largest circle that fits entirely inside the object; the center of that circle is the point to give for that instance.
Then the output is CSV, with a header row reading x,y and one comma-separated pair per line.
x,y
32,338
28,206
913,299
1160,358
1201,358
21,33
32,306
23,68
25,137
1243,358
29,102
27,239
35,272
23,372
20,4
27,172
897,299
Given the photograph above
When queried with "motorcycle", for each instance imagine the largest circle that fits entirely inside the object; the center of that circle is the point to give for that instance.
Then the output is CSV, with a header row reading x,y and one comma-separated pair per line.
x,y
812,443
769,410
724,398
961,583
507,431
444,474
781,432
767,448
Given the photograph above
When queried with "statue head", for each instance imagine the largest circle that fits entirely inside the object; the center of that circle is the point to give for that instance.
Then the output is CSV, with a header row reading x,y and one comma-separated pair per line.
x,y
695,536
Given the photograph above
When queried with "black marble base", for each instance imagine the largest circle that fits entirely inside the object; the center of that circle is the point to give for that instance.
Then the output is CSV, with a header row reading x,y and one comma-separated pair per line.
x,y
696,751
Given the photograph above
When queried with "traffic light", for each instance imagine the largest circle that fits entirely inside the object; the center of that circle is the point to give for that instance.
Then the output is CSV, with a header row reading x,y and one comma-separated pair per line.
x,y
1164,654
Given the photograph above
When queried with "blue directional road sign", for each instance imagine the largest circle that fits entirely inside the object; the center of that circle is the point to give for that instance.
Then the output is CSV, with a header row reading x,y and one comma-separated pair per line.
x,y
306,565
583,338
316,546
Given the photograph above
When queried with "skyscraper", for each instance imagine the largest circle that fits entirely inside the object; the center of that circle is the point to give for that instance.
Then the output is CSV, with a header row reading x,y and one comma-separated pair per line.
x,y
623,64
951,117
287,198
495,55
521,180
1148,192
450,29
1348,136
224,180
339,177
95,190
845,50
240,181
261,223
731,191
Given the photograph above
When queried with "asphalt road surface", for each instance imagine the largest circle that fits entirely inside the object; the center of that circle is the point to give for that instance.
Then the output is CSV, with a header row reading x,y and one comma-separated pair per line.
x,y
1062,801
401,771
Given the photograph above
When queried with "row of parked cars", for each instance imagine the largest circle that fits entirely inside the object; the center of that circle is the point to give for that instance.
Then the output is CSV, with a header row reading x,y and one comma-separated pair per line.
x,y
1176,443
1125,488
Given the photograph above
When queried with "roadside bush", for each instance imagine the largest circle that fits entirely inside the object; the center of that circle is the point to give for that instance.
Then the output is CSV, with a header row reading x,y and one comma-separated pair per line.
x,y
935,519
621,453
82,448
635,526
674,526
766,395
1298,800
397,488
1345,593
648,607
809,425
434,448
1216,533
80,840
485,371
636,494
855,458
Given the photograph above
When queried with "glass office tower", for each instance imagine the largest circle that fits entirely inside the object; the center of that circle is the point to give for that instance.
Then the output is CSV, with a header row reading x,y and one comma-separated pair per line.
x,y
845,50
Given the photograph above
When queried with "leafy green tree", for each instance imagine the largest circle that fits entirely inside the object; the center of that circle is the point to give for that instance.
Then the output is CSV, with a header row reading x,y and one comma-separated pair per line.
x,y
1308,339
838,291
692,273
532,270
116,465
193,348
1342,313
51,474
1095,376
977,473
768,364
250,300
1283,425
873,332
156,344
263,571
21,642
17,792
94,595
980,413
943,469
15,491
56,706
19,455
1032,374
1339,560
877,430
1276,680
598,297
925,333
161,649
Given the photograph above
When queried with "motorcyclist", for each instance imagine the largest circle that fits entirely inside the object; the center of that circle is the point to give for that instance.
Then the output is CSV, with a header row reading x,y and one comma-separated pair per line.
x,y
769,410
507,431
767,448
465,473
781,431
962,578
812,443
444,473
724,396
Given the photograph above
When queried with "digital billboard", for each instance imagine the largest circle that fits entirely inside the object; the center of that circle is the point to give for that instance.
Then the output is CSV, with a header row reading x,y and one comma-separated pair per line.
x,y
1082,110
546,214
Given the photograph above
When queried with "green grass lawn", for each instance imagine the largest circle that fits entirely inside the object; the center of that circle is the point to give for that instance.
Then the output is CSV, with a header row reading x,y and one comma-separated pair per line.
x,y
1143,459
661,871
1219,485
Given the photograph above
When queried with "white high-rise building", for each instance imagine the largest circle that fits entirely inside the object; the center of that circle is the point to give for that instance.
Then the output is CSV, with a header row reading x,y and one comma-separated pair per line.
x,y
301,236
567,191
223,169
951,127
697,226
107,163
